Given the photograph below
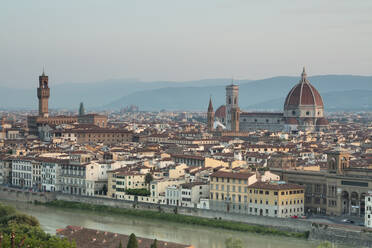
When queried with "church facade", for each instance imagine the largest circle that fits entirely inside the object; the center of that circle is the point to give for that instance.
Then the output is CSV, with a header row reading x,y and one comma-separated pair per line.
x,y
303,110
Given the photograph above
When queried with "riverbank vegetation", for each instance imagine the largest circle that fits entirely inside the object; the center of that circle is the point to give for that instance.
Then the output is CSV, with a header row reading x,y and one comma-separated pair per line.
x,y
20,230
138,192
224,224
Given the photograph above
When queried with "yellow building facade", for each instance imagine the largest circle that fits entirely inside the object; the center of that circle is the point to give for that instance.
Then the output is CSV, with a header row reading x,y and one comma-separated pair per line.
x,y
119,181
245,193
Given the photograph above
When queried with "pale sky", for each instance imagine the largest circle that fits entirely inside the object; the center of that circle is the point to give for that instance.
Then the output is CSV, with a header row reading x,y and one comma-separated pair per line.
x,y
94,40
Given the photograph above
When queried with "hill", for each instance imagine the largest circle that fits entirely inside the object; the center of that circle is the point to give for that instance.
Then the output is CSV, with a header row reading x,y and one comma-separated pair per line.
x,y
340,92
260,94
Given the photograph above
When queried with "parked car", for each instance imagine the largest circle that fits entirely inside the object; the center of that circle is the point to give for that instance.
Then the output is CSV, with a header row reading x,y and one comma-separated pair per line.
x,y
347,221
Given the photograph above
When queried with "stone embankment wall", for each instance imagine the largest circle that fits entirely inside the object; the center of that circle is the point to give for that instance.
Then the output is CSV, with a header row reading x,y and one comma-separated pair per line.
x,y
359,237
280,223
25,196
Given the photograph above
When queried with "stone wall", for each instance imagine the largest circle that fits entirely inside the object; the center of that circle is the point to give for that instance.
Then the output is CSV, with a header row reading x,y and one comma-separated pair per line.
x,y
280,223
360,237
25,196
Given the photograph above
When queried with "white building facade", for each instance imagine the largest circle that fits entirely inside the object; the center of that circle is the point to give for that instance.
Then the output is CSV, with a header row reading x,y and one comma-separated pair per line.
x,y
22,172
368,213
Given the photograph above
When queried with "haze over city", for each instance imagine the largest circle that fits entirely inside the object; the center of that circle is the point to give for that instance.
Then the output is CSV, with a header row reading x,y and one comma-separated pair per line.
x,y
186,124
91,40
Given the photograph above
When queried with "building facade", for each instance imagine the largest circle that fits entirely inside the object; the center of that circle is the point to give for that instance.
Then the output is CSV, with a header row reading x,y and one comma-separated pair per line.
x,y
121,179
368,214
276,199
22,173
339,190
103,135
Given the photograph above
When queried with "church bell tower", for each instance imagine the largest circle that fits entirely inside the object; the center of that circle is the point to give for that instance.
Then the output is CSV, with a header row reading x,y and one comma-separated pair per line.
x,y
43,93
232,107
210,116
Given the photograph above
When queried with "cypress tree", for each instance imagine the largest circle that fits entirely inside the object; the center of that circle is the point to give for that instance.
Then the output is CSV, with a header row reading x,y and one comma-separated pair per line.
x,y
155,244
132,242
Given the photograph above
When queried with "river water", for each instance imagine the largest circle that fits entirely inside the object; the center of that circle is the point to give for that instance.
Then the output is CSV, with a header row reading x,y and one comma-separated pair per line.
x,y
198,236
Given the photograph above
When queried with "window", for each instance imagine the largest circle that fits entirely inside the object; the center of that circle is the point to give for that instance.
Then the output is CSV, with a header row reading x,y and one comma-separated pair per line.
x,y
307,113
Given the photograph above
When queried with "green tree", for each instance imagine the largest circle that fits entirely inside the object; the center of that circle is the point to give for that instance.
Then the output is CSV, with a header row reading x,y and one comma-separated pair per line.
x,y
233,243
138,192
155,244
120,245
132,242
148,179
26,231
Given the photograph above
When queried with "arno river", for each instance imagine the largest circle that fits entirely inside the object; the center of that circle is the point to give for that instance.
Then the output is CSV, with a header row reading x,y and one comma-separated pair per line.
x,y
200,237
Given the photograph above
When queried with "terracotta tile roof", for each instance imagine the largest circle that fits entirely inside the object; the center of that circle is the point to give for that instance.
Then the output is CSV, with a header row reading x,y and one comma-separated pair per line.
x,y
236,175
90,238
275,186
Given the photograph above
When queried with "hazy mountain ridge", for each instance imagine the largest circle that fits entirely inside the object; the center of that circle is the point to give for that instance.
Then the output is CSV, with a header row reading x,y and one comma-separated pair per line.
x,y
252,93
338,91
95,94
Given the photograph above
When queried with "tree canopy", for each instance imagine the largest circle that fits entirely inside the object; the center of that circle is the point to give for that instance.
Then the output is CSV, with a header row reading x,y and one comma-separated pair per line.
x,y
26,230
132,242
155,244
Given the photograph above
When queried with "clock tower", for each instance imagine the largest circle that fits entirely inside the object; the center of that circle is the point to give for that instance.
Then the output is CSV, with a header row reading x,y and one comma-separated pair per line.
x,y
43,93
